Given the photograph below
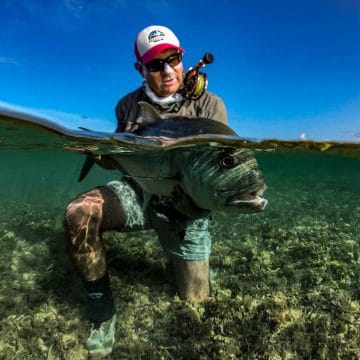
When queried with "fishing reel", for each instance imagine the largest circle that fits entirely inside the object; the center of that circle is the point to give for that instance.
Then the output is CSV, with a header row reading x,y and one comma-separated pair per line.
x,y
195,82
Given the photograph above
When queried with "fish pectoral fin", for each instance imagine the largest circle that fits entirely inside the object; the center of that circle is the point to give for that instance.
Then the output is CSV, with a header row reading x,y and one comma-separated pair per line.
x,y
107,162
87,166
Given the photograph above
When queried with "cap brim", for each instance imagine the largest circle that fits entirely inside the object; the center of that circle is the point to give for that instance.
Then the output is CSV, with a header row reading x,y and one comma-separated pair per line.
x,y
156,50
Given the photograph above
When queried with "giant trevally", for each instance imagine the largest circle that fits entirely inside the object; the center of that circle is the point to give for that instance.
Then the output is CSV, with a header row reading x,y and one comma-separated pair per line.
x,y
225,178
202,158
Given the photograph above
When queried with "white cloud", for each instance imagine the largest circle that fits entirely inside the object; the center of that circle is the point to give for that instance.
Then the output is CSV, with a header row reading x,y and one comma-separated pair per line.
x,y
7,60
84,7
69,120
76,121
81,10
63,14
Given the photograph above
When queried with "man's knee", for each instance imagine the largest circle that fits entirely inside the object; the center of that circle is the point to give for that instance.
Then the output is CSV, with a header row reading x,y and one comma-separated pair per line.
x,y
83,218
192,278
84,214
93,212
74,213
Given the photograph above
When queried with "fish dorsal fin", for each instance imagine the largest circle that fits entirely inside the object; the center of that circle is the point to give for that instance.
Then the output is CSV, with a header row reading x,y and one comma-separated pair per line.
x,y
148,114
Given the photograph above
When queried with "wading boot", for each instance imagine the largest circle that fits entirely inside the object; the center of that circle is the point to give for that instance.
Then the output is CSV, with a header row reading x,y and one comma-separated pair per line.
x,y
102,338
102,313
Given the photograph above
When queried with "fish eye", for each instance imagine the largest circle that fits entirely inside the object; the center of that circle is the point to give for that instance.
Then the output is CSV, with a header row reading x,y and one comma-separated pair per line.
x,y
226,161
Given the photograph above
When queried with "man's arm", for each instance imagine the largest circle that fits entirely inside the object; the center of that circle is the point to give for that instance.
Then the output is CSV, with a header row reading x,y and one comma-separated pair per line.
x,y
213,107
127,110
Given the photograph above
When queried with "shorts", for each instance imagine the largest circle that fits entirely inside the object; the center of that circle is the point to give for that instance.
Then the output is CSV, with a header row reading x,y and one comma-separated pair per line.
x,y
181,237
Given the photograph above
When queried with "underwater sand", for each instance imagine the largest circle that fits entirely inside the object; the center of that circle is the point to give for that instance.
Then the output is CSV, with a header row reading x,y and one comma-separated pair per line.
x,y
286,282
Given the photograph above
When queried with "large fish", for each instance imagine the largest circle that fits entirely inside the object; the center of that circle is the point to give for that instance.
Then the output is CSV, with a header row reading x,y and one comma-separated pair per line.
x,y
202,158
225,178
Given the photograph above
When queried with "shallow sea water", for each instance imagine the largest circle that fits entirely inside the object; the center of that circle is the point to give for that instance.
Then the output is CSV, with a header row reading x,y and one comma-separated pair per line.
x,y
286,282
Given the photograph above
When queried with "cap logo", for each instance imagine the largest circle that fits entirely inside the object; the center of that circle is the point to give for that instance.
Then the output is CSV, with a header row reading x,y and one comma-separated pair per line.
x,y
155,36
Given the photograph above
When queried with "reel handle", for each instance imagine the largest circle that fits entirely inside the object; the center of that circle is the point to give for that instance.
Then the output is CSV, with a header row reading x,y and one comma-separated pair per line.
x,y
208,58
195,82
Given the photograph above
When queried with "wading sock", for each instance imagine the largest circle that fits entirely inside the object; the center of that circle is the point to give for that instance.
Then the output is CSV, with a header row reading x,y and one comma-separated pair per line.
x,y
100,304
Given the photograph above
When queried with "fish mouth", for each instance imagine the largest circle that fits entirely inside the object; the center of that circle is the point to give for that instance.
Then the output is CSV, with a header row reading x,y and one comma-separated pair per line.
x,y
248,202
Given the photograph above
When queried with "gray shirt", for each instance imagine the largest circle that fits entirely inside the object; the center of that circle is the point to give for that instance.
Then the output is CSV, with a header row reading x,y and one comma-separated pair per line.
x,y
207,106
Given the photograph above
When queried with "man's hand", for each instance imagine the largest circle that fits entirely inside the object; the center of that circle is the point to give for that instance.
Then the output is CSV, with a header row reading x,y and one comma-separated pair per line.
x,y
106,162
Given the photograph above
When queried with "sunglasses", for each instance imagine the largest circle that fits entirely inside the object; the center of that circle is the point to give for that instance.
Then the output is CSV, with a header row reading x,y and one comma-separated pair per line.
x,y
158,64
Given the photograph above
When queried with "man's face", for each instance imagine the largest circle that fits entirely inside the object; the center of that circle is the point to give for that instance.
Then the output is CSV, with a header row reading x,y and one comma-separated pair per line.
x,y
167,81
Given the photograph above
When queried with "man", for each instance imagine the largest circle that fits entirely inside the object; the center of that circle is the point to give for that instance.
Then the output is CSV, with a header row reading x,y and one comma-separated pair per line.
x,y
119,205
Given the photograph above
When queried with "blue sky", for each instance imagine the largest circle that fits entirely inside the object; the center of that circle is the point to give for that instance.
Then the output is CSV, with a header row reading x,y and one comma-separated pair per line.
x,y
283,68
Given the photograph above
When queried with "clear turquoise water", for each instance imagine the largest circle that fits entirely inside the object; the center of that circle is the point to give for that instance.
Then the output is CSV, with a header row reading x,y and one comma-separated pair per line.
x,y
286,281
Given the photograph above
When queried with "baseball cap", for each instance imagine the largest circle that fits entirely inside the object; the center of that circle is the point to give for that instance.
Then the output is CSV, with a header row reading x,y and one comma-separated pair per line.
x,y
154,39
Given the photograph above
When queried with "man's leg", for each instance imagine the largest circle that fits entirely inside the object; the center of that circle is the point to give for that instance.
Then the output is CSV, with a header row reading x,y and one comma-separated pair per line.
x,y
188,245
85,220
192,278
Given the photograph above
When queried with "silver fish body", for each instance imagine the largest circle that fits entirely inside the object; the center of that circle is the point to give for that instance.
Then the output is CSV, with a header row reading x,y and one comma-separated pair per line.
x,y
206,161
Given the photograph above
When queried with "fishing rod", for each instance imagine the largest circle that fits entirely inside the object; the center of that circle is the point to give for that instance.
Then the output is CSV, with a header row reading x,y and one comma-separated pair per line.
x,y
195,82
